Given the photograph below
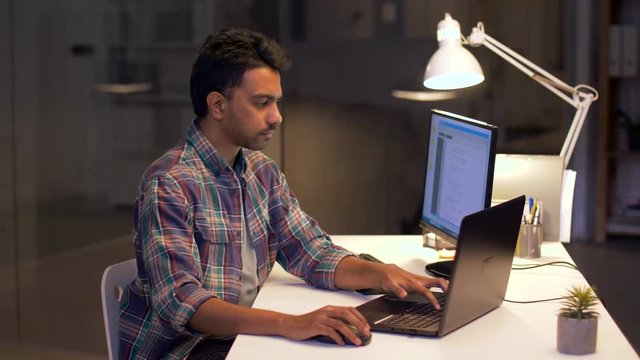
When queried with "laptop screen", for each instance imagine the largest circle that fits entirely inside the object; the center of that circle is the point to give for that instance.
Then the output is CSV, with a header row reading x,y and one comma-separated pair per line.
x,y
459,171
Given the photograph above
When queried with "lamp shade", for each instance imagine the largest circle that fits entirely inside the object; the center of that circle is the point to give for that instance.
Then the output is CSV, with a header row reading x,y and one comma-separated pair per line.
x,y
451,66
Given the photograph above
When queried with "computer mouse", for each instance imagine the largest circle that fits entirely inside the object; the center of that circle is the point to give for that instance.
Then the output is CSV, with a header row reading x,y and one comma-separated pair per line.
x,y
366,339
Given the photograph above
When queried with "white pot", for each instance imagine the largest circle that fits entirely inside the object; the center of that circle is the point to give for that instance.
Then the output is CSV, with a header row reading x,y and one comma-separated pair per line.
x,y
577,336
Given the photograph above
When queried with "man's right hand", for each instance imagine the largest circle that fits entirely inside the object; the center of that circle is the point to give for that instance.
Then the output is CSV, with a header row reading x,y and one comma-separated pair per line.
x,y
329,321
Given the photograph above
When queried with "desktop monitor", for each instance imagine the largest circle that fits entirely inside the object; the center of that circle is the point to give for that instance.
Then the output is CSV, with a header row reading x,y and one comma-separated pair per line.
x,y
459,173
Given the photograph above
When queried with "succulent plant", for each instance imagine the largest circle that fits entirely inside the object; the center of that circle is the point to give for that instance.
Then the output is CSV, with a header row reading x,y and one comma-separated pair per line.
x,y
579,303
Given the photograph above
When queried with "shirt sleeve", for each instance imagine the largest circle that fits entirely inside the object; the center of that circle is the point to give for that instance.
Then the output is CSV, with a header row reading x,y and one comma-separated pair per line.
x,y
171,257
305,250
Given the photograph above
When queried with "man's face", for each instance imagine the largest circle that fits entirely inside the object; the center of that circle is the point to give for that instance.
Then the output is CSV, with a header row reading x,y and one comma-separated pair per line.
x,y
252,113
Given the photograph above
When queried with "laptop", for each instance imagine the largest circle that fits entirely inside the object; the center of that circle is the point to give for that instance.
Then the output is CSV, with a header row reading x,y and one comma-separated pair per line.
x,y
479,278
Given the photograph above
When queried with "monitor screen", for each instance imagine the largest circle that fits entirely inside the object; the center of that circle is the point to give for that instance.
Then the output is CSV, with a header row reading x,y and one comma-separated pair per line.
x,y
459,172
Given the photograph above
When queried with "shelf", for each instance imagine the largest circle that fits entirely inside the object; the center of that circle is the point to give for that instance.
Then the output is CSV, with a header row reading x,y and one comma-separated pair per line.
x,y
631,156
623,225
123,88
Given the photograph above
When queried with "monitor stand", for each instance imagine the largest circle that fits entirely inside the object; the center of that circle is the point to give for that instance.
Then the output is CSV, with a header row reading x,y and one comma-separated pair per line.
x,y
440,269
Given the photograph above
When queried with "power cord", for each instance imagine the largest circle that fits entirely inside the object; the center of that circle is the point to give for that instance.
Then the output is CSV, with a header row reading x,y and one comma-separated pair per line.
x,y
534,301
545,300
533,266
553,263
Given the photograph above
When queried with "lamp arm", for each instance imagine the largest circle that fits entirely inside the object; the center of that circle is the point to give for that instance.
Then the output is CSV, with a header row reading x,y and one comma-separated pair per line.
x,y
541,76
576,127
581,95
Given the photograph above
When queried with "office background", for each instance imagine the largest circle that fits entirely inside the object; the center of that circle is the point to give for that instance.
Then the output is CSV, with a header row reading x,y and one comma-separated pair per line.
x,y
91,92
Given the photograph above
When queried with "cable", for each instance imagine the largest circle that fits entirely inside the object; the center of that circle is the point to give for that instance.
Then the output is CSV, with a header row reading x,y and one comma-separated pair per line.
x,y
545,300
533,266
553,263
534,301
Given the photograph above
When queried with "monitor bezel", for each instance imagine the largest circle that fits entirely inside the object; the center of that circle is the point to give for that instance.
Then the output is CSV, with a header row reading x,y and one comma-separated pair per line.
x,y
448,237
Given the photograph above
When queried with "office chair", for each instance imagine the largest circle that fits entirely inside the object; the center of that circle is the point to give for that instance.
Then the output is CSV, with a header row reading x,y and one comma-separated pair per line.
x,y
114,279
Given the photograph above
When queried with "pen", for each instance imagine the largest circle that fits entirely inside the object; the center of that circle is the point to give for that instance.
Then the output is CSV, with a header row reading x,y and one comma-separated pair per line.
x,y
536,216
534,207
530,203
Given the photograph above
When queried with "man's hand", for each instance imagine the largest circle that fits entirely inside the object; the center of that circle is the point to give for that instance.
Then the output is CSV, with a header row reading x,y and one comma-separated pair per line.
x,y
218,317
401,282
329,321
353,273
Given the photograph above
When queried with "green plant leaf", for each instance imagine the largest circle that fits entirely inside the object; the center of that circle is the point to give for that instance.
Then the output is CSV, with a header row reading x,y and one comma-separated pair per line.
x,y
579,303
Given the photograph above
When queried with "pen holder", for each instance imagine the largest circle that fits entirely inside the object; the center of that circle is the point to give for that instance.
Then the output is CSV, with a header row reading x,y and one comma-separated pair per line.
x,y
529,241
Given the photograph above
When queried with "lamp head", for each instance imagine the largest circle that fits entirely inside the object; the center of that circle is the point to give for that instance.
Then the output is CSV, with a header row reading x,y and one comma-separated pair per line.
x,y
451,66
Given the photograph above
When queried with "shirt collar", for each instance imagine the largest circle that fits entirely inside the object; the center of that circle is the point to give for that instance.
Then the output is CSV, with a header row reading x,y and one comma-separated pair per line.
x,y
210,156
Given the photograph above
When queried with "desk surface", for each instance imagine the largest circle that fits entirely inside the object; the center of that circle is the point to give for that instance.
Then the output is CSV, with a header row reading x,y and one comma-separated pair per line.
x,y
512,331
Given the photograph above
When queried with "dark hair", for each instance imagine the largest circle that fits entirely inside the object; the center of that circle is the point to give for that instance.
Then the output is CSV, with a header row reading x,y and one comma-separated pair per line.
x,y
223,59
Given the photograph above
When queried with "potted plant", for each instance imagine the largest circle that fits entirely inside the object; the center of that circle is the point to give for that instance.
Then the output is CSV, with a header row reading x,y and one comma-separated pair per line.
x,y
578,322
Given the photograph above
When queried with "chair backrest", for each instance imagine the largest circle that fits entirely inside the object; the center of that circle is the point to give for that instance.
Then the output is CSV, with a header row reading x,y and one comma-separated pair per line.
x,y
114,280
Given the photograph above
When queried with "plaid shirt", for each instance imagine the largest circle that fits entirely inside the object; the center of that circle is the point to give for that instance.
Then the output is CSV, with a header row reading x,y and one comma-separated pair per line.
x,y
187,239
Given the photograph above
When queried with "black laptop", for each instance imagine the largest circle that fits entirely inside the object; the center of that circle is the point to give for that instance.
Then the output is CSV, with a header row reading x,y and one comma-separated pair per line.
x,y
479,278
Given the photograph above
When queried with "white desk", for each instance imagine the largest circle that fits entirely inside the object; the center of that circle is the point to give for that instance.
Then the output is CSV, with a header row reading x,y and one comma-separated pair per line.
x,y
512,331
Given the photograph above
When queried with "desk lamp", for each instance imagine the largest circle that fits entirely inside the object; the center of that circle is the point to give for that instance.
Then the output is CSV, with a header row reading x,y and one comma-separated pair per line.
x,y
454,67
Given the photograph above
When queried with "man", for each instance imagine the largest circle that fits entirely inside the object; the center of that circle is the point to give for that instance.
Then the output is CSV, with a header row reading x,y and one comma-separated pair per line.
x,y
214,214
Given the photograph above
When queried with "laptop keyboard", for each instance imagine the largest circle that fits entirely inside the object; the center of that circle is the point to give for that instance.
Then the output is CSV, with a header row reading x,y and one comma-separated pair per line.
x,y
419,315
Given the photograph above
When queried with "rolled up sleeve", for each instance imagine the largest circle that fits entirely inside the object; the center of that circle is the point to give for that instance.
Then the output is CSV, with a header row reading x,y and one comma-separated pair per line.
x,y
323,274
